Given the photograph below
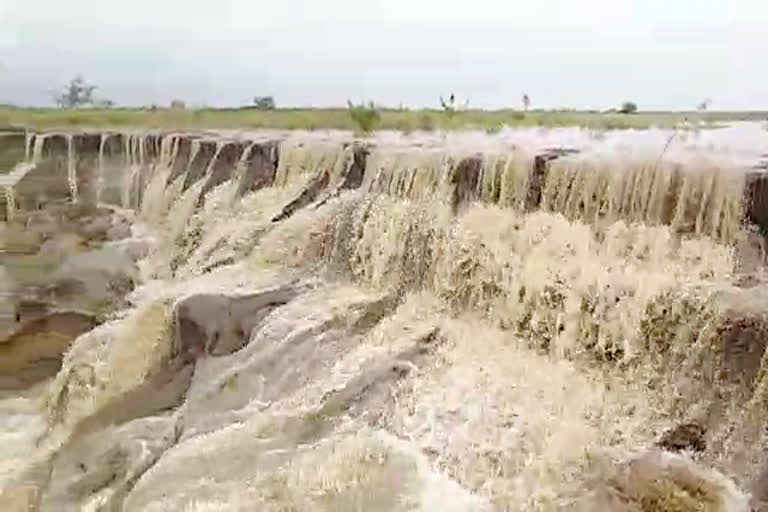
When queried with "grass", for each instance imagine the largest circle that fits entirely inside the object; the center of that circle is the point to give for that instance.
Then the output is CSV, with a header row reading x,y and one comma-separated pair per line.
x,y
338,118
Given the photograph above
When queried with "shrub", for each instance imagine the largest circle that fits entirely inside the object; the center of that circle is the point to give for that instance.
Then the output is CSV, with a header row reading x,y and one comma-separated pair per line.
x,y
365,117
426,122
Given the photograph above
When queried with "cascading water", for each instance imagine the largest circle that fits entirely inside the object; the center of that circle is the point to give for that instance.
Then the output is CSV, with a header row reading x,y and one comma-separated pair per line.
x,y
71,170
328,325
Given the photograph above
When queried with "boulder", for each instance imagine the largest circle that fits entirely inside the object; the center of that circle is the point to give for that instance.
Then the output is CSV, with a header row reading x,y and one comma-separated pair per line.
x,y
220,324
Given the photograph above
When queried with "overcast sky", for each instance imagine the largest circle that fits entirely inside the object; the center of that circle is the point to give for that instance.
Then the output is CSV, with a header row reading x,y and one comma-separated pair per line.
x,y
663,54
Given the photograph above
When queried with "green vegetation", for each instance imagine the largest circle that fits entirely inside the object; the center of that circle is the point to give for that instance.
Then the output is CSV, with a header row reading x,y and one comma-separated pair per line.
x,y
339,118
365,117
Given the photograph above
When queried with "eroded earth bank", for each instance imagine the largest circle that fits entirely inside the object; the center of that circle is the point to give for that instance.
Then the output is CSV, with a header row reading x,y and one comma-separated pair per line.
x,y
305,322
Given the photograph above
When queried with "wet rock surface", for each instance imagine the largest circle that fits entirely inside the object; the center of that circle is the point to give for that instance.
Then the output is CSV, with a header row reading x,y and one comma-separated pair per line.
x,y
259,167
689,436
308,195
225,165
657,481
34,351
218,324
200,160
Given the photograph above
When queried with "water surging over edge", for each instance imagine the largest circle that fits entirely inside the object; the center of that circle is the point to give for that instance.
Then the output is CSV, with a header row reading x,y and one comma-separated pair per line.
x,y
570,290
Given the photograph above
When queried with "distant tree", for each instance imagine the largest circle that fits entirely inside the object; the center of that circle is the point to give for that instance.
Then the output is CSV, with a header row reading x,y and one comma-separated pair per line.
x,y
178,105
264,102
704,105
526,102
628,107
105,103
76,93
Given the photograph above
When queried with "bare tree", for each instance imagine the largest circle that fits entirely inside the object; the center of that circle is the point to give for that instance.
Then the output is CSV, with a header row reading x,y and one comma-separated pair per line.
x,y
526,102
76,93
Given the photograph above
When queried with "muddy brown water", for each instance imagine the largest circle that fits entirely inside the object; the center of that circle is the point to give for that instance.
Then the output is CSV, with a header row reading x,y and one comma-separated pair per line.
x,y
288,321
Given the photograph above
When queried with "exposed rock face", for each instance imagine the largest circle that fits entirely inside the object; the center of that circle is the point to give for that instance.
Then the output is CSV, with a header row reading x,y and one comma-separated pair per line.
x,y
465,179
60,281
48,180
183,153
224,166
259,168
538,176
353,177
744,335
756,199
200,162
34,352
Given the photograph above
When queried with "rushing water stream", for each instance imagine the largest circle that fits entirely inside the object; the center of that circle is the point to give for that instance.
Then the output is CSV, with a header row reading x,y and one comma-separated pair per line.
x,y
307,323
